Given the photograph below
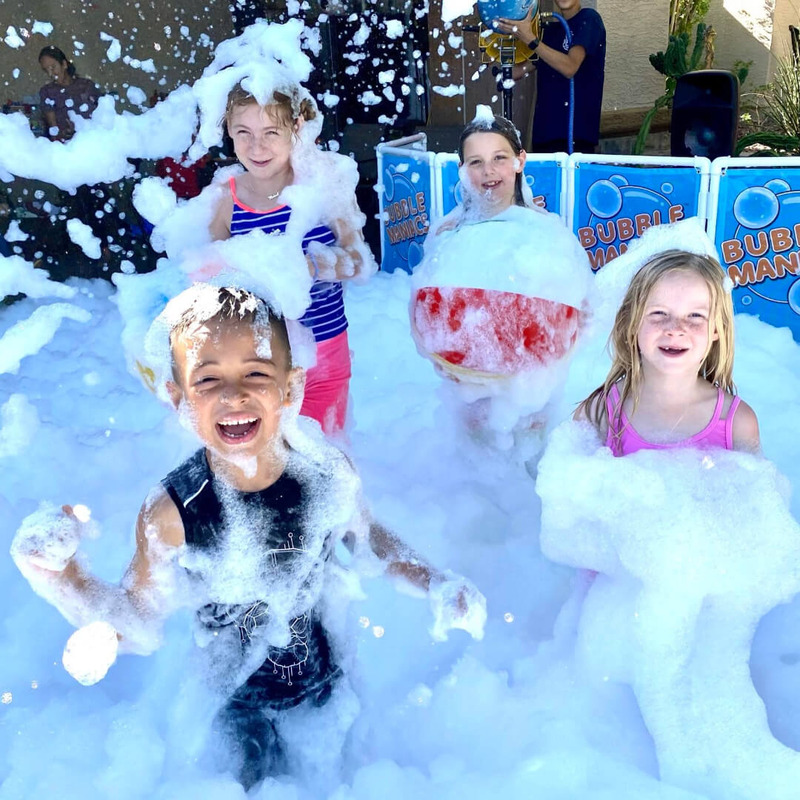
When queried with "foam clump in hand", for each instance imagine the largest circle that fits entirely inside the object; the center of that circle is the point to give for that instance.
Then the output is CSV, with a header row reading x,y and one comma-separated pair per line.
x,y
456,603
81,512
49,537
90,652
326,258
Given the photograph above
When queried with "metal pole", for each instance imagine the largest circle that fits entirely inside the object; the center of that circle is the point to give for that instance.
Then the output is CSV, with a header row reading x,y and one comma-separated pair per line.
x,y
507,91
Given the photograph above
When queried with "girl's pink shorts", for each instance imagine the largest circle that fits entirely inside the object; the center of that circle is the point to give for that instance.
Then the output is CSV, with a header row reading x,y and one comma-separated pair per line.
x,y
327,384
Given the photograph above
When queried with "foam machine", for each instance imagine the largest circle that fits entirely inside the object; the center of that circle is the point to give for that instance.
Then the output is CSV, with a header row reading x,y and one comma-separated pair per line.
x,y
504,48
507,50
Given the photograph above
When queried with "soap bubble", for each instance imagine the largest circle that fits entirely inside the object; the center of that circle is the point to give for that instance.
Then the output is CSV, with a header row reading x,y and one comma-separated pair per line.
x,y
756,207
604,198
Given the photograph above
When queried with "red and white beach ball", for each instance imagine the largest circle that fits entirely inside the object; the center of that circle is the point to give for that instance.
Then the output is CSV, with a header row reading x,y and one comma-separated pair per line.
x,y
500,297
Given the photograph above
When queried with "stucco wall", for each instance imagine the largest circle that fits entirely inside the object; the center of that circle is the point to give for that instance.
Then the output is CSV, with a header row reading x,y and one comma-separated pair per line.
x,y
747,30
634,31
140,27
744,33
787,12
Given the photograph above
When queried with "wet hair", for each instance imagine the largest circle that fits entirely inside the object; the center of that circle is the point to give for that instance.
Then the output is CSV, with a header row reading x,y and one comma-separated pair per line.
x,y
56,53
287,107
235,306
504,128
626,366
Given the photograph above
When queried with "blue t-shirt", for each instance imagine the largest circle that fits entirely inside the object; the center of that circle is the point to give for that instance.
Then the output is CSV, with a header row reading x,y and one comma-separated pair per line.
x,y
551,120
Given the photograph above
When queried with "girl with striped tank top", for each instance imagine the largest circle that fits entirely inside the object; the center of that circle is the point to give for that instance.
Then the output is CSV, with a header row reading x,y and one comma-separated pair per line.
x,y
265,140
671,379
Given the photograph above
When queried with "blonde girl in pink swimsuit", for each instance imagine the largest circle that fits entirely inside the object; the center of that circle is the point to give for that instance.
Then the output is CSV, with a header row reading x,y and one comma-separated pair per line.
x,y
671,378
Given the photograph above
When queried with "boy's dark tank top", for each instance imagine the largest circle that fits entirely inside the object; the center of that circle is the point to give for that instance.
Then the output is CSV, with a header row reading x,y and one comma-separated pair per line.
x,y
288,675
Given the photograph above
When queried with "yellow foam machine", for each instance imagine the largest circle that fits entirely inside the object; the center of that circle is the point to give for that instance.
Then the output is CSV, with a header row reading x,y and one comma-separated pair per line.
x,y
504,48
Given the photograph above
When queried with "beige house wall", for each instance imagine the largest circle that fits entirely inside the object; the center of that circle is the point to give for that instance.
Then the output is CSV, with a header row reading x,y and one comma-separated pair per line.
x,y
150,29
634,31
746,30
787,12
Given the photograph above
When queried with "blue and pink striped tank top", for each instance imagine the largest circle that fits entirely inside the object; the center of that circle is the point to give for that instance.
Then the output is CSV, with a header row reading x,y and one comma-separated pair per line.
x,y
325,316
624,440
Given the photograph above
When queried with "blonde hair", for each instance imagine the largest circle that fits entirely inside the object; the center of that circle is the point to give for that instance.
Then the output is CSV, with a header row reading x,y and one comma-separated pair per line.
x,y
286,107
626,366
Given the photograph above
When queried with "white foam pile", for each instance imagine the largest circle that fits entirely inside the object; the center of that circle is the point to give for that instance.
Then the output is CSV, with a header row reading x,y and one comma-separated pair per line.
x,y
519,712
642,689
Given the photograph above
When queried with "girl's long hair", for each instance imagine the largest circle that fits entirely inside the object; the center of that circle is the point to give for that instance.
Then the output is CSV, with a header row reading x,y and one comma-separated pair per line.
x,y
58,54
626,364
507,130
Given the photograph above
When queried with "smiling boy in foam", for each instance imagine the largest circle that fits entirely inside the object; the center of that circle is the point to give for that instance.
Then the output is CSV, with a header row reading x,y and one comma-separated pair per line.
x,y
244,534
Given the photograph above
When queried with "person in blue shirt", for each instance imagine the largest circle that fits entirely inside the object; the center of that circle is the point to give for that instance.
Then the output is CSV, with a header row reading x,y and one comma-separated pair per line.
x,y
557,62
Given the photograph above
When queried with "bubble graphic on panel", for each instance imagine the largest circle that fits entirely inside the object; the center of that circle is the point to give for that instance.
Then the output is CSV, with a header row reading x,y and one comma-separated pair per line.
x,y
604,198
415,253
778,185
667,187
620,180
388,183
794,297
780,212
756,207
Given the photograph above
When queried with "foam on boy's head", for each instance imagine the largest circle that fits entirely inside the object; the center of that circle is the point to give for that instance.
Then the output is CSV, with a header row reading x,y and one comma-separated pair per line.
x,y
192,314
203,304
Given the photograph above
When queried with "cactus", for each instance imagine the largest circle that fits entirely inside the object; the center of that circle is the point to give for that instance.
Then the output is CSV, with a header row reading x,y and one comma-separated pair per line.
x,y
675,61
776,144
777,108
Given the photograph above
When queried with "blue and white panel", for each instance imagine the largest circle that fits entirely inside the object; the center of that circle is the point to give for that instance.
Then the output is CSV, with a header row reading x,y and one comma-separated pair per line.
x,y
614,199
755,224
405,198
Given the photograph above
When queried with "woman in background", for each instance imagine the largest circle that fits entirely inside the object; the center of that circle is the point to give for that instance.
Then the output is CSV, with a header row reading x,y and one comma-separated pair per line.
x,y
66,91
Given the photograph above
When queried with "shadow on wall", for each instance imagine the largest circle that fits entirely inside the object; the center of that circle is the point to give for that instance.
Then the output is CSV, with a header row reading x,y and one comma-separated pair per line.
x,y
751,30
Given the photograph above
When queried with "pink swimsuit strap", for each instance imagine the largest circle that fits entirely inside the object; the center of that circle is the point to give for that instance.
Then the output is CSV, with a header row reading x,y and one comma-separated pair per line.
x,y
240,204
624,439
